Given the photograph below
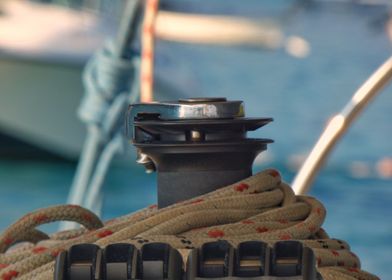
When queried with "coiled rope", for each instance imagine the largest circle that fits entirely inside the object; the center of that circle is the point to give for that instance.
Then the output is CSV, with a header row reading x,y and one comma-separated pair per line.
x,y
261,207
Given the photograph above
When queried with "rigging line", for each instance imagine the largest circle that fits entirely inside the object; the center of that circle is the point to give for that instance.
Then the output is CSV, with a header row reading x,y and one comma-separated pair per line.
x,y
339,125
106,76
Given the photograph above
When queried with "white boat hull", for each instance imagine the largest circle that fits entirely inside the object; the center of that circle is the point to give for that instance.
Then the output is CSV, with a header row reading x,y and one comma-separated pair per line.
x,y
38,103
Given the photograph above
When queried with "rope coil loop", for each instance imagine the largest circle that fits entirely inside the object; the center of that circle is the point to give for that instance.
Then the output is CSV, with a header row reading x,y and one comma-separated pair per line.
x,y
25,229
105,76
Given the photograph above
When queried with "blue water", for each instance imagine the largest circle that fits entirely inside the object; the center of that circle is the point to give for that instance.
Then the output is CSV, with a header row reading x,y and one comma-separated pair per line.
x,y
347,43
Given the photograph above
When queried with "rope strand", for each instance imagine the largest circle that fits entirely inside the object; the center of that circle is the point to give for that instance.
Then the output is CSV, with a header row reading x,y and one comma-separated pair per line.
x,y
260,207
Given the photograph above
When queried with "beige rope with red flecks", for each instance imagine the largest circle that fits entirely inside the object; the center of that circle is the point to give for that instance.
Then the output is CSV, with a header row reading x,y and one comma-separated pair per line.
x,y
260,207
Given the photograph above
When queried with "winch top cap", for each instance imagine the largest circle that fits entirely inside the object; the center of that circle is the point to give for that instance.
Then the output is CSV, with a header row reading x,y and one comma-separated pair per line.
x,y
187,109
196,100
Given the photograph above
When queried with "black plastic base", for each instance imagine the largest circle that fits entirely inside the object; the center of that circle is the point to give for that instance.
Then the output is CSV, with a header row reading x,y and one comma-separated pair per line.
x,y
192,169
180,186
194,157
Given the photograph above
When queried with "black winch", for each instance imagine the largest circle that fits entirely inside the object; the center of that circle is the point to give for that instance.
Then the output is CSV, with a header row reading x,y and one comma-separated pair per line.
x,y
196,145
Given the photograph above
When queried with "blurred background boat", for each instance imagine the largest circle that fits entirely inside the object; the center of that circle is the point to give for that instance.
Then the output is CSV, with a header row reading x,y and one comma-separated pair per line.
x,y
43,49
322,51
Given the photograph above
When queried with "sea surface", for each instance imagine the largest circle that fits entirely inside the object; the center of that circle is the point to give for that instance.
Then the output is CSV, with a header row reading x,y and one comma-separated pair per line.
x,y
346,43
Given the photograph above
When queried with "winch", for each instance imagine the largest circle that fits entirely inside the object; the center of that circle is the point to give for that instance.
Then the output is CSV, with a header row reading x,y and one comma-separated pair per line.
x,y
196,145
252,227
